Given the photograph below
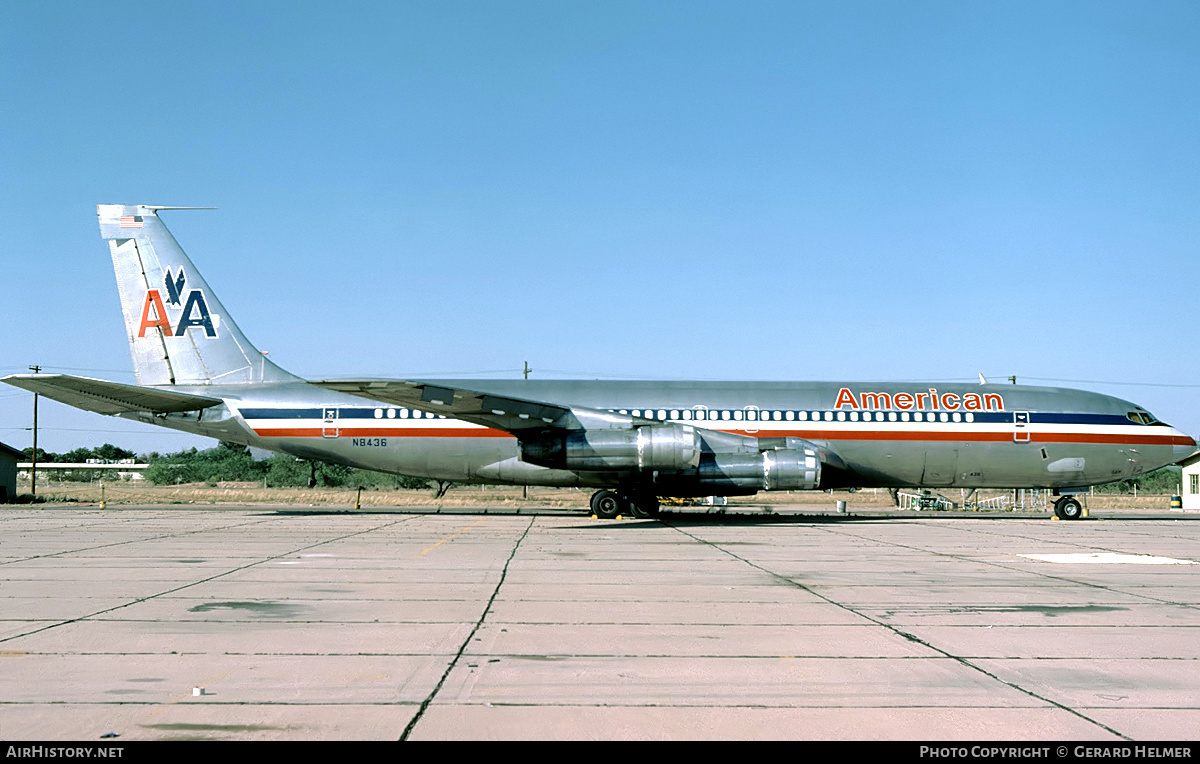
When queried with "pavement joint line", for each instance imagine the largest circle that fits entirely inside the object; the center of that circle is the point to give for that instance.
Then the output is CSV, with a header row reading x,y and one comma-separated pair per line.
x,y
993,530
517,704
910,637
201,581
858,539
141,540
420,712
1022,569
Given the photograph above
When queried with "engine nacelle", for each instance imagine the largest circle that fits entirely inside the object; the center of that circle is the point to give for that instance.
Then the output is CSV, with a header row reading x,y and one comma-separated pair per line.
x,y
652,447
772,470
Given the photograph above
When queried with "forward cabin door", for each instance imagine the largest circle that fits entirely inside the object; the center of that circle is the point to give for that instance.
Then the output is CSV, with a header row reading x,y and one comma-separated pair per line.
x,y
1020,426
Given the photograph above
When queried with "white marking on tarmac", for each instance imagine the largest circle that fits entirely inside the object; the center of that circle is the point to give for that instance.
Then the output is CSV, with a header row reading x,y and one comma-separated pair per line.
x,y
1108,558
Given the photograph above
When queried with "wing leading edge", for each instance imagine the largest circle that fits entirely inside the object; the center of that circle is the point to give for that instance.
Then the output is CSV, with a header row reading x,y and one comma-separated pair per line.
x,y
547,431
515,415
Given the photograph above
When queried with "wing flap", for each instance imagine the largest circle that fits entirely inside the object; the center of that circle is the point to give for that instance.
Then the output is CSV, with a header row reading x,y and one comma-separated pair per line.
x,y
104,397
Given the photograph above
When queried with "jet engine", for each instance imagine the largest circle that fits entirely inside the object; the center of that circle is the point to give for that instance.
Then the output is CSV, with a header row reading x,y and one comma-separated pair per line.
x,y
771,470
650,447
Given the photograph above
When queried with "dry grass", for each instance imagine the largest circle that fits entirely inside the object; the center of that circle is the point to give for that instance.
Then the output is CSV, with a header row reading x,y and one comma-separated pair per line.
x,y
243,493
461,496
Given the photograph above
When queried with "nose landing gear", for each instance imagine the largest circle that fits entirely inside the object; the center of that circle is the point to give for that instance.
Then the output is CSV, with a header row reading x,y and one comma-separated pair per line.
x,y
1068,508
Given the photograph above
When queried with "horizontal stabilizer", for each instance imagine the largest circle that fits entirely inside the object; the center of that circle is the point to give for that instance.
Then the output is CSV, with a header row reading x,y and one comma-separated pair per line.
x,y
105,397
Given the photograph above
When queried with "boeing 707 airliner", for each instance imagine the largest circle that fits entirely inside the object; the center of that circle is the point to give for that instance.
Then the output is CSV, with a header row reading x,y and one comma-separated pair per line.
x,y
632,441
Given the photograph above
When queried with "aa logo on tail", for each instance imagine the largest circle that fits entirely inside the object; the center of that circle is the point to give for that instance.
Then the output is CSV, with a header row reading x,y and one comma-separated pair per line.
x,y
193,315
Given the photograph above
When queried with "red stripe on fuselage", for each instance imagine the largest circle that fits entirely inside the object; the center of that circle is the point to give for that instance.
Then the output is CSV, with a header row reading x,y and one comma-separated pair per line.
x,y
380,432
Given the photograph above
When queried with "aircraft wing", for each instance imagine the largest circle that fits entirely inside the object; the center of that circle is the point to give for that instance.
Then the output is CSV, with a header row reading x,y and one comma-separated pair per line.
x,y
105,397
580,438
500,412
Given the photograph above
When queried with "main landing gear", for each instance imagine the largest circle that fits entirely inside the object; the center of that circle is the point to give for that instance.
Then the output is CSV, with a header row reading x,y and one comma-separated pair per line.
x,y
608,504
1068,508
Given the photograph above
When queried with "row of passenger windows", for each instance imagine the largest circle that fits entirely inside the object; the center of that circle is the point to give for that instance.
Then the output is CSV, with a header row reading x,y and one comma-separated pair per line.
x,y
406,414
740,415
755,415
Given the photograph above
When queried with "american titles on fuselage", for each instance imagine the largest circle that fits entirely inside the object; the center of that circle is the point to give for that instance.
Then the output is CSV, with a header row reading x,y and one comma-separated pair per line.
x,y
932,400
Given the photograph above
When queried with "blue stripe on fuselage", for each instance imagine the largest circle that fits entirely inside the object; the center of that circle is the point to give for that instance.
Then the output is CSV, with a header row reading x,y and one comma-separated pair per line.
x,y
980,417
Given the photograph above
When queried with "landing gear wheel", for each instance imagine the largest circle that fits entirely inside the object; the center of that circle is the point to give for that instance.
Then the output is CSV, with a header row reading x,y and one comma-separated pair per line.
x,y
607,504
643,505
1068,508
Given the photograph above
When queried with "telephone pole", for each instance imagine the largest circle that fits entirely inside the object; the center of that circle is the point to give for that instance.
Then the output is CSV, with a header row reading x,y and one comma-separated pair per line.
x,y
525,488
33,460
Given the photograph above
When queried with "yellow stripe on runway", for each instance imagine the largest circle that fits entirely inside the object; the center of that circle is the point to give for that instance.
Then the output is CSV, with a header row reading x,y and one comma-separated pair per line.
x,y
452,535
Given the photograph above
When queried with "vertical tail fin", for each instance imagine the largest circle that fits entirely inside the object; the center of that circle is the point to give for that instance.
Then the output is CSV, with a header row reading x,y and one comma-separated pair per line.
x,y
179,332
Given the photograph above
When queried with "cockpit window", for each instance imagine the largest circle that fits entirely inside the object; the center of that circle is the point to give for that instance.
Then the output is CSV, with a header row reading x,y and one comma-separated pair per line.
x,y
1141,417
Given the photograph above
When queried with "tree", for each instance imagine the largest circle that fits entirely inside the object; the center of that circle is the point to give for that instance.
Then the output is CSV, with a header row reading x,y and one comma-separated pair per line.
x,y
1165,480
233,461
43,455
110,452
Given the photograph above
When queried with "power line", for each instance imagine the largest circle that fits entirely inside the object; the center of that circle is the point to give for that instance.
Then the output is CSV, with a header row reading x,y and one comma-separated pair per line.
x,y
73,368
33,457
1108,382
116,432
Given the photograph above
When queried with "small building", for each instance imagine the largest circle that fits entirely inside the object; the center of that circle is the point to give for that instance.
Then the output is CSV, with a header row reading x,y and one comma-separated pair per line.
x,y
8,472
1191,482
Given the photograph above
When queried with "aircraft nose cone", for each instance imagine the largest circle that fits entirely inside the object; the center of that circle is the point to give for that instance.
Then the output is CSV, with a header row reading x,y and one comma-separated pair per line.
x,y
1185,446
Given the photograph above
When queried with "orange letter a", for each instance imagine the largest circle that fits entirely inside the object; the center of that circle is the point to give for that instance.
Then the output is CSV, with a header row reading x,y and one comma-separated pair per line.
x,y
160,314
846,398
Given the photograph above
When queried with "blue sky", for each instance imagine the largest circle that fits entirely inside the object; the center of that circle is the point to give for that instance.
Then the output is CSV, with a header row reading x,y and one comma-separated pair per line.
x,y
849,190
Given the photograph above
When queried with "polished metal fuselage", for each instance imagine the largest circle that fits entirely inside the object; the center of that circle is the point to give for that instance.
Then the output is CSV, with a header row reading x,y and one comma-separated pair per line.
x,y
183,340
869,434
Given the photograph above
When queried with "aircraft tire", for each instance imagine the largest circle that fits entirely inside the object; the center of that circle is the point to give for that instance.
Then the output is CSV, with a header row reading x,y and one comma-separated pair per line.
x,y
1068,508
607,504
643,505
